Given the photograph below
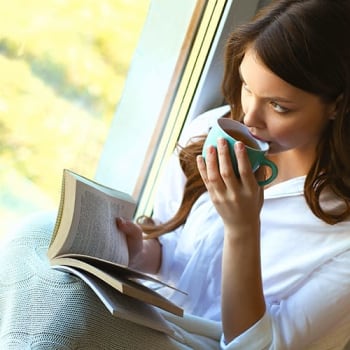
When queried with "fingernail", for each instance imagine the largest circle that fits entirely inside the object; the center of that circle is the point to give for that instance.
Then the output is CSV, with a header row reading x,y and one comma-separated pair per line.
x,y
239,145
221,141
211,150
199,158
120,221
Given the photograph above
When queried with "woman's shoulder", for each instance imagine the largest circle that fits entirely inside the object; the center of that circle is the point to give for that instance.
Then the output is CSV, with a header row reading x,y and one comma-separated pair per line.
x,y
201,124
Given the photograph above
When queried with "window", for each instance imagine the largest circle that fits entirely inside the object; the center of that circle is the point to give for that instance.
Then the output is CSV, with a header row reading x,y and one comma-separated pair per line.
x,y
158,61
63,64
186,80
198,85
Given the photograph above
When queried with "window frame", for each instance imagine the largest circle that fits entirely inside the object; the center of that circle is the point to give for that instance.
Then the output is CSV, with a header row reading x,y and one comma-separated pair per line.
x,y
145,89
193,87
199,88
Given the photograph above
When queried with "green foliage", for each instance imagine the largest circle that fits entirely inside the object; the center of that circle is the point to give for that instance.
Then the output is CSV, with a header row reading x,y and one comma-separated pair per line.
x,y
63,65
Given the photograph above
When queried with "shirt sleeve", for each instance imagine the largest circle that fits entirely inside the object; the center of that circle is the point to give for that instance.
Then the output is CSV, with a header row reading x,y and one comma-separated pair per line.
x,y
260,332
316,310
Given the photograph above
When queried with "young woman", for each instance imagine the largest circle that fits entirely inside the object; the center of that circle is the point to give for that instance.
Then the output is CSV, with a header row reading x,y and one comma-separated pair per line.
x,y
286,249
272,265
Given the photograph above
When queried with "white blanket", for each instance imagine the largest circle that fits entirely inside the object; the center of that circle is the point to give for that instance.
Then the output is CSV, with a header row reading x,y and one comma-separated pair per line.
x,y
41,308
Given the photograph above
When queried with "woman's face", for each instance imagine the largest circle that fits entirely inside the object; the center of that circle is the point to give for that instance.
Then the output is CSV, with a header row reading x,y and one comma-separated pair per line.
x,y
286,117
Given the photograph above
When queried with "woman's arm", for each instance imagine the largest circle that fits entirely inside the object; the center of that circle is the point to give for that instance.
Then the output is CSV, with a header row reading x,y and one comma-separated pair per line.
x,y
238,201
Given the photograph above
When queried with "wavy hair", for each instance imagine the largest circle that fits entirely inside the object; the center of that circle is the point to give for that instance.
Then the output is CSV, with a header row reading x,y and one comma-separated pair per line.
x,y
305,43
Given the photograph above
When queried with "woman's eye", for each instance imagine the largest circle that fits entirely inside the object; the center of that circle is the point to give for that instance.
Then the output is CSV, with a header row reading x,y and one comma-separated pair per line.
x,y
278,108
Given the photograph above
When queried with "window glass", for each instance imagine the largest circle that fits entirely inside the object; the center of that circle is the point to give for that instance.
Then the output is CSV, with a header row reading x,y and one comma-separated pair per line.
x,y
63,65
197,86
152,81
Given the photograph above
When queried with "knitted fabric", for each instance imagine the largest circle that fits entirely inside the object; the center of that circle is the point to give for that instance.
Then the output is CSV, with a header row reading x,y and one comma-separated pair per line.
x,y
41,308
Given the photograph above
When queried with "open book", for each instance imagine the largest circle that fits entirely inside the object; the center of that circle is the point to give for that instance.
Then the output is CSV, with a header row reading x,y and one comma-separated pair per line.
x,y
87,243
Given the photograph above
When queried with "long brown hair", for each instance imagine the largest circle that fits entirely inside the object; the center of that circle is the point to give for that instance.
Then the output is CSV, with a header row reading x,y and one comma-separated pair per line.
x,y
193,188
305,43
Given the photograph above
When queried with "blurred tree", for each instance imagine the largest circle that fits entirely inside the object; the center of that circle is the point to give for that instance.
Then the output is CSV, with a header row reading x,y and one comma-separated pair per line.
x,y
63,64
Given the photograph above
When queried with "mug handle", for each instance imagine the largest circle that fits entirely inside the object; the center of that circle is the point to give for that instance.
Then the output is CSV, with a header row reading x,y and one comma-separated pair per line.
x,y
274,171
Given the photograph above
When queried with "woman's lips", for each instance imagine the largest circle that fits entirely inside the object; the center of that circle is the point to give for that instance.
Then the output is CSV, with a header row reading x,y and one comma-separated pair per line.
x,y
258,138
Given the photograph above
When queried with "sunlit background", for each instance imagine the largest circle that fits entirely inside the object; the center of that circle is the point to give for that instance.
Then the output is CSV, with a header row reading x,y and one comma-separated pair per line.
x,y
63,64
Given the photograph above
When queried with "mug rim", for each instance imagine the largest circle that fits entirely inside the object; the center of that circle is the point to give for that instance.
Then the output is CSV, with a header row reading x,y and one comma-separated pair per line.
x,y
263,145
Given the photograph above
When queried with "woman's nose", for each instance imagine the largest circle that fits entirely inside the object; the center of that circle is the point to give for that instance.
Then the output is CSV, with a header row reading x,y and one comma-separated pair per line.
x,y
254,117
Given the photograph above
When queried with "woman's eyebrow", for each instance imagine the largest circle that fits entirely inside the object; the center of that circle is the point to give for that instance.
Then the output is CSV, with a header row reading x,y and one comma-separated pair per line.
x,y
267,98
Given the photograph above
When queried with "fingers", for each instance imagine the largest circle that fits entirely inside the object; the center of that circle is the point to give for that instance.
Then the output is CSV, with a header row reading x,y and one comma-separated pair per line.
x,y
202,169
217,170
209,169
234,197
128,227
211,172
244,167
225,163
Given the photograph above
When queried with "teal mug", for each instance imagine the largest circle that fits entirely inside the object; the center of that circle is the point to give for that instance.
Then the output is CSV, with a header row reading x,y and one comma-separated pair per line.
x,y
234,131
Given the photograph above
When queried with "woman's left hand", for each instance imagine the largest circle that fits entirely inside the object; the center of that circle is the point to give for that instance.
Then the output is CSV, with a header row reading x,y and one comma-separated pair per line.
x,y
238,200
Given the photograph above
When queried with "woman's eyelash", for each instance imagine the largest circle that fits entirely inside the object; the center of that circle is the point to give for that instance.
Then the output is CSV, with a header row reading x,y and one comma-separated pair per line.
x,y
278,108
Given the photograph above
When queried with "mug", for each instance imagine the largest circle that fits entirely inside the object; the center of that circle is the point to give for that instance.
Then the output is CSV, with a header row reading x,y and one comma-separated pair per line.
x,y
234,131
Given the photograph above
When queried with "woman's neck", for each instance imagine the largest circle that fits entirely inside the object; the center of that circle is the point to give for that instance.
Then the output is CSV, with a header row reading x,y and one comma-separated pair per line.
x,y
291,164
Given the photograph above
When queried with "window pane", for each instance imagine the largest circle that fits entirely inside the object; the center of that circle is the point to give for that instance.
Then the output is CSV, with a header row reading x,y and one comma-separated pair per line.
x,y
166,40
62,66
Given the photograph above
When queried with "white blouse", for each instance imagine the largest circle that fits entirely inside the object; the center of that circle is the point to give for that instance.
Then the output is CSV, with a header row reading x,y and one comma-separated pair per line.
x,y
305,263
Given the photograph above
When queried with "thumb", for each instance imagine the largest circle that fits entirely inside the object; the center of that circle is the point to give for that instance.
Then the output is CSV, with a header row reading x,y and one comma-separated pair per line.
x,y
128,227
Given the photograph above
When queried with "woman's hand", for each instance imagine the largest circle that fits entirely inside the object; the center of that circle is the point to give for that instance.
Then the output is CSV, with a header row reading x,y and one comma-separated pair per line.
x,y
144,255
134,237
238,200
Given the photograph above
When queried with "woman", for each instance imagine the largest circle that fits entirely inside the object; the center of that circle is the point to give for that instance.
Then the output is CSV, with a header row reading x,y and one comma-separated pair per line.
x,y
271,264
286,259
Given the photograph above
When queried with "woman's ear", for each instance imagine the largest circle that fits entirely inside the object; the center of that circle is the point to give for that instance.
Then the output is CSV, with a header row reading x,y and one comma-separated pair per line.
x,y
334,107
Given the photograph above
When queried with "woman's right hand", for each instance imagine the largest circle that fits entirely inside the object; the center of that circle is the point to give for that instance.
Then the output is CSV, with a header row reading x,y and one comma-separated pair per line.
x,y
133,234
144,254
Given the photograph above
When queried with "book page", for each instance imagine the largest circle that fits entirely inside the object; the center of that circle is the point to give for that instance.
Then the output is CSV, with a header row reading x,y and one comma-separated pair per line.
x,y
118,278
94,226
123,306
119,271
